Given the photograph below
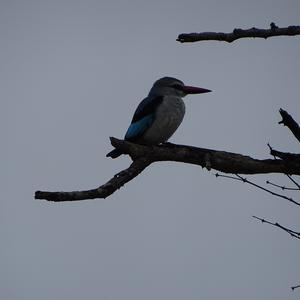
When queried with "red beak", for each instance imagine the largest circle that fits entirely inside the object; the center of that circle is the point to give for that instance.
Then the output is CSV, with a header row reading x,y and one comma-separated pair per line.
x,y
194,90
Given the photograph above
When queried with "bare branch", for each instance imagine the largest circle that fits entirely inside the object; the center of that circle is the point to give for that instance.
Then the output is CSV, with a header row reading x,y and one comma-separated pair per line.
x,y
294,181
291,232
289,176
295,287
101,192
245,180
226,162
288,121
238,34
143,156
282,186
268,191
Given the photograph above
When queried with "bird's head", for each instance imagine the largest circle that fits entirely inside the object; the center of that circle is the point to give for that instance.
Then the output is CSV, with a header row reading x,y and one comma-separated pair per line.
x,y
172,86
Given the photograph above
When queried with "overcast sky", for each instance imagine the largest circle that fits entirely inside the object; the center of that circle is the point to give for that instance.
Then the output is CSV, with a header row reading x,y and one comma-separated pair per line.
x,y
72,73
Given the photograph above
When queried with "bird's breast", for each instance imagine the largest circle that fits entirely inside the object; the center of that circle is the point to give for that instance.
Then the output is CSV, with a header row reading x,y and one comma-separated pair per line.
x,y
168,117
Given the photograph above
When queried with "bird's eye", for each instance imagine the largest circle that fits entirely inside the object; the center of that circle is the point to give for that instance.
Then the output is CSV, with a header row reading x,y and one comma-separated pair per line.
x,y
177,86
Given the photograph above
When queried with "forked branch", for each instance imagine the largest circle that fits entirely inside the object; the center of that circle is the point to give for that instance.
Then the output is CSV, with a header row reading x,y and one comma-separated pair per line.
x,y
245,180
293,233
143,156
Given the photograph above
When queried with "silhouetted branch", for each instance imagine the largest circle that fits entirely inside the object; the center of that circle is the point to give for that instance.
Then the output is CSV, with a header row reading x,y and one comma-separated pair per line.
x,y
282,186
143,156
245,180
294,181
288,121
285,156
291,232
226,162
295,287
292,157
238,34
103,191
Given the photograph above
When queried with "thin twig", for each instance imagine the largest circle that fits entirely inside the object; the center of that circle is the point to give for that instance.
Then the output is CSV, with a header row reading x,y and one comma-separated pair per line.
x,y
267,190
271,149
282,187
245,180
293,180
291,232
227,176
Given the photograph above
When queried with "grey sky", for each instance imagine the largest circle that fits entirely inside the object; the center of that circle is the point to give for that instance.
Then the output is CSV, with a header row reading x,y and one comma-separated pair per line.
x,y
72,73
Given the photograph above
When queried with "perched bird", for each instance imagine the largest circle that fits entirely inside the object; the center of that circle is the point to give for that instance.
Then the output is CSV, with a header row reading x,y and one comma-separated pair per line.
x,y
158,116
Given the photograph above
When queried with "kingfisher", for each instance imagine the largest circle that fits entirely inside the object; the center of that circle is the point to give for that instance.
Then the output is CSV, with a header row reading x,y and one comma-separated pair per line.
x,y
158,116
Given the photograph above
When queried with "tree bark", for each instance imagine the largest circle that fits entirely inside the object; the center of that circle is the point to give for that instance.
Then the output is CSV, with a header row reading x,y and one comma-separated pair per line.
x,y
238,34
143,156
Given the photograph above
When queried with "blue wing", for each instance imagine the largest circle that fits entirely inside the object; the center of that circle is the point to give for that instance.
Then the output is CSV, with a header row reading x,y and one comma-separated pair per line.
x,y
143,118
137,129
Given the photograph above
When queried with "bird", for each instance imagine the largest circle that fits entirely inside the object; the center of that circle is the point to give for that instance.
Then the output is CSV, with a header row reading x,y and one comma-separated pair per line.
x,y
158,116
